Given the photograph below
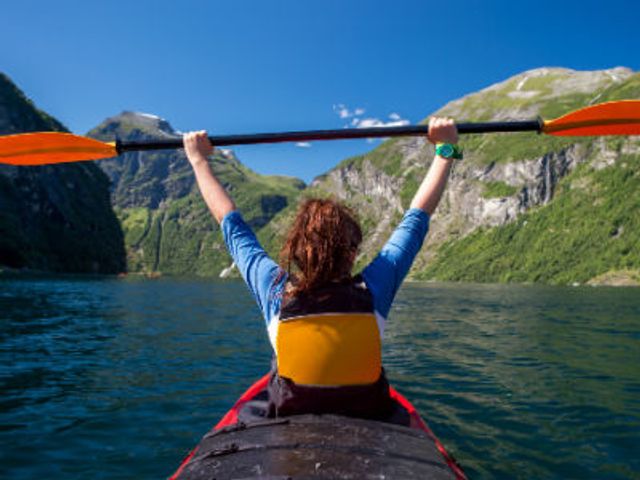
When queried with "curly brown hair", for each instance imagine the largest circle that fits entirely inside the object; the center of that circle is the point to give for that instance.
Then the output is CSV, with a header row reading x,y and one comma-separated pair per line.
x,y
321,244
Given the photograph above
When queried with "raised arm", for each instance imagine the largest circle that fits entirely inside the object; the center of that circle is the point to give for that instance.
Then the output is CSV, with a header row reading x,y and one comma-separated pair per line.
x,y
441,130
258,270
385,273
197,147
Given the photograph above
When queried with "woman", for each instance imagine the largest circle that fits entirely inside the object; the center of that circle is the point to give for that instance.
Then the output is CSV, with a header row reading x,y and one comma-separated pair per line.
x,y
326,325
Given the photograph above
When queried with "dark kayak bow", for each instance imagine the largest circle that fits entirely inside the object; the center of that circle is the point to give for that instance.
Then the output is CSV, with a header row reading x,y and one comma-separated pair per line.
x,y
317,446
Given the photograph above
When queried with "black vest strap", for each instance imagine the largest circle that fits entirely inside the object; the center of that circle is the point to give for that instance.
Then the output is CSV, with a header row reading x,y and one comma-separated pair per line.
x,y
363,401
348,296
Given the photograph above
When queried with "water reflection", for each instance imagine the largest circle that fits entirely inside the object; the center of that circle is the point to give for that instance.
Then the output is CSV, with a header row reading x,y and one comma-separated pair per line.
x,y
110,378
535,377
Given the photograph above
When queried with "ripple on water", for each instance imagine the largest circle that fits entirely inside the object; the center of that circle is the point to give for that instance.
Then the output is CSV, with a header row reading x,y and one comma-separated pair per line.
x,y
116,379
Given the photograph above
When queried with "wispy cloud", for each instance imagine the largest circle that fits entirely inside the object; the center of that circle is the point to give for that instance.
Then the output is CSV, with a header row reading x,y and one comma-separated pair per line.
x,y
356,121
303,145
343,111
376,122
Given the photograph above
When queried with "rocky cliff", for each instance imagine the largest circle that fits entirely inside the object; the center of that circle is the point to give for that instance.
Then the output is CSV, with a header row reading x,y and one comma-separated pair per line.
x,y
167,226
53,218
519,207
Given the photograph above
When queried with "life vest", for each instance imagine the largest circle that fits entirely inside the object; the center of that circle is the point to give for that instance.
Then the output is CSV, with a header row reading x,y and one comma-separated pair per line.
x,y
328,354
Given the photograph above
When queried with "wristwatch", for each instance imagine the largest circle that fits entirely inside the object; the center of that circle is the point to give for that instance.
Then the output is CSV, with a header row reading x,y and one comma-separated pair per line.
x,y
448,150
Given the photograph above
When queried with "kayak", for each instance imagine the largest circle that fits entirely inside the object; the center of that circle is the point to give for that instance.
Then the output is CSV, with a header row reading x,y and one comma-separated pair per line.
x,y
317,446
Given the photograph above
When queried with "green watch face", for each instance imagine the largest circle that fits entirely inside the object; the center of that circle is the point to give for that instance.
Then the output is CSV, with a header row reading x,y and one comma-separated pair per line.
x,y
445,150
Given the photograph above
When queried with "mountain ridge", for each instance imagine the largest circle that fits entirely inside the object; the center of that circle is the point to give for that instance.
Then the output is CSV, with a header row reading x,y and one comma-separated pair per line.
x,y
502,207
55,217
167,226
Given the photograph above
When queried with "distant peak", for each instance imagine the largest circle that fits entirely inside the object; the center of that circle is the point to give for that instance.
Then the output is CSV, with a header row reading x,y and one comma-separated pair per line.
x,y
146,115
578,80
140,116
147,122
227,153
542,71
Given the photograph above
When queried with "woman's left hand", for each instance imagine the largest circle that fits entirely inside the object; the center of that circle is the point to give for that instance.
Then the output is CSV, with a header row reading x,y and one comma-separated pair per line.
x,y
442,130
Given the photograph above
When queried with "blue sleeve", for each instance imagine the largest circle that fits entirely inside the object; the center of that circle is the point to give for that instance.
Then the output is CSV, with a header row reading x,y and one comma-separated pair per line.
x,y
263,276
385,273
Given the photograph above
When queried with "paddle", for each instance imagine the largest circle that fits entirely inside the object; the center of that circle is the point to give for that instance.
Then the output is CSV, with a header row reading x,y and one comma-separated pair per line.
x,y
42,148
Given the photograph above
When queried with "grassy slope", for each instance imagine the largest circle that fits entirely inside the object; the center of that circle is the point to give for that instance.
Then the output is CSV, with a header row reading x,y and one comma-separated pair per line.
x,y
590,229
182,238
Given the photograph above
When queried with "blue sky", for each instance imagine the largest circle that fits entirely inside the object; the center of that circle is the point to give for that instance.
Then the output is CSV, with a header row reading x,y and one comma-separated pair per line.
x,y
251,66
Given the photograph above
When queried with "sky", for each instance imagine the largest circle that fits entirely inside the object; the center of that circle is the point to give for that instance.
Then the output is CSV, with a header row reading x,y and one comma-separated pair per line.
x,y
260,66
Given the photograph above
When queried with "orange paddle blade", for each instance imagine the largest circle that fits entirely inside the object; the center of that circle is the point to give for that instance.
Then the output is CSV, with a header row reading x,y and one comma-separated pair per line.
x,y
52,147
610,118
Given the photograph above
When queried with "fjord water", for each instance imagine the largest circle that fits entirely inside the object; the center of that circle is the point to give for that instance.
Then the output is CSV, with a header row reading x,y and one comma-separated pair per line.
x,y
107,379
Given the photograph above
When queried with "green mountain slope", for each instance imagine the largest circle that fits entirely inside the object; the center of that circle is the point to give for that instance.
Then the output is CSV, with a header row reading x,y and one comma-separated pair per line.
x,y
167,226
54,218
519,207
591,228
587,226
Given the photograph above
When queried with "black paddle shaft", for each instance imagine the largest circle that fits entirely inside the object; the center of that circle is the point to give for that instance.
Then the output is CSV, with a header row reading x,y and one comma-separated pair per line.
x,y
342,134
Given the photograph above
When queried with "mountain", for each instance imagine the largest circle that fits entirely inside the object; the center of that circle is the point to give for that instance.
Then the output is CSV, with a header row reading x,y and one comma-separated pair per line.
x,y
520,207
53,218
166,224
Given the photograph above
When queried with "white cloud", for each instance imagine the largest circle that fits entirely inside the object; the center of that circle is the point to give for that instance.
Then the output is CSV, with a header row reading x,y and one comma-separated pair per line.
x,y
367,123
303,144
395,120
343,111
376,122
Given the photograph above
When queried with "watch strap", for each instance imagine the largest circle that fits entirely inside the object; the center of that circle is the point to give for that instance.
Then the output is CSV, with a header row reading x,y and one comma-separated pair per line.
x,y
449,150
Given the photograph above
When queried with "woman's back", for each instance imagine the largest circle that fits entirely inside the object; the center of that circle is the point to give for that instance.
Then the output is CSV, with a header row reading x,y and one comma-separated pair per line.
x,y
325,326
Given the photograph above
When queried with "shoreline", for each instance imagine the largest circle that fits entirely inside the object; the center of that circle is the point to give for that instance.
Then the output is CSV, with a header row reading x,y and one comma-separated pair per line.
x,y
616,279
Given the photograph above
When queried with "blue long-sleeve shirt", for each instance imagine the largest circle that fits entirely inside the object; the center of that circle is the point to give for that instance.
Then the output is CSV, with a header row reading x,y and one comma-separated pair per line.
x,y
383,276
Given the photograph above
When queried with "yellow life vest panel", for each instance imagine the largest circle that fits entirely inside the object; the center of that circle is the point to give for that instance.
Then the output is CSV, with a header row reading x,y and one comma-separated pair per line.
x,y
330,338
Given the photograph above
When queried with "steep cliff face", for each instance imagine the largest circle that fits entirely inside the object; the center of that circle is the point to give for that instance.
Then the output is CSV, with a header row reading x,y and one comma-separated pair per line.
x,y
166,223
508,183
575,220
53,218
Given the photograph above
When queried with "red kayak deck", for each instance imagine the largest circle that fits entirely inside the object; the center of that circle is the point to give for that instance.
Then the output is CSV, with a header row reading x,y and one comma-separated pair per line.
x,y
416,423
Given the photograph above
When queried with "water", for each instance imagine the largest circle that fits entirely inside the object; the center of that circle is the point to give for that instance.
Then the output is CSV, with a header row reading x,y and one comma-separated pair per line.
x,y
109,379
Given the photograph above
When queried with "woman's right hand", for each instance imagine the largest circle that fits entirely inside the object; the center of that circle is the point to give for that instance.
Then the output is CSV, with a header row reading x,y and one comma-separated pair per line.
x,y
197,147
